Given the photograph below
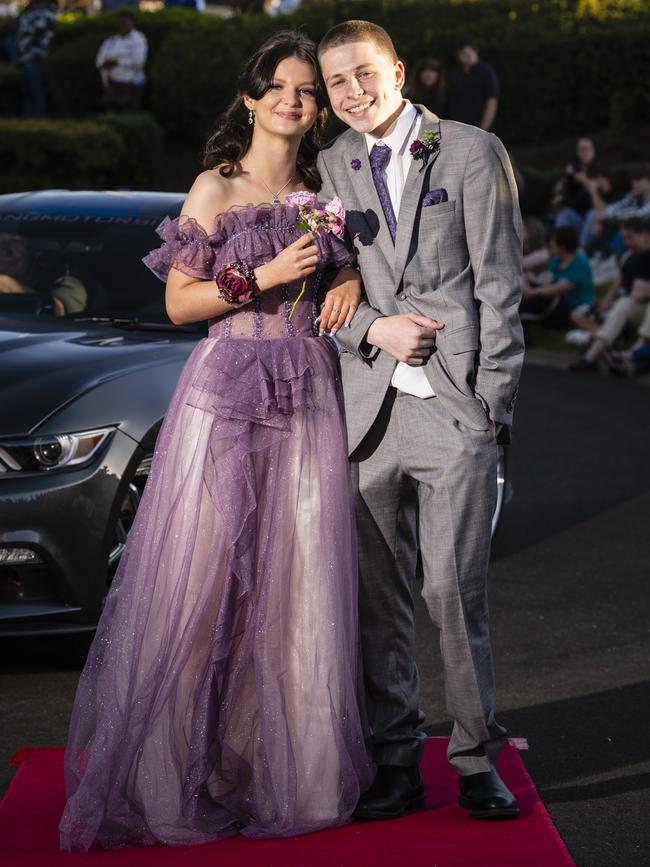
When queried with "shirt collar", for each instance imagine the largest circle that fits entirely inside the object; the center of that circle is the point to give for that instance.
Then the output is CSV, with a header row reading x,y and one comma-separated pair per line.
x,y
401,133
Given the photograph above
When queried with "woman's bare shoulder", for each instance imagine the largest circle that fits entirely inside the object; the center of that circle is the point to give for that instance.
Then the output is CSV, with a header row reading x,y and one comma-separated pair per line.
x,y
207,197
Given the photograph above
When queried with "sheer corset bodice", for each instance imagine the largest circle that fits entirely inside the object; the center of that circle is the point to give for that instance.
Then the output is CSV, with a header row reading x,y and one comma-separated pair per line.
x,y
269,315
254,234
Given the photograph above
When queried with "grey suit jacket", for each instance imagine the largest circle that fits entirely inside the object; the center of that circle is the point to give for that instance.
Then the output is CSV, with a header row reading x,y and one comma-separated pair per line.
x,y
458,262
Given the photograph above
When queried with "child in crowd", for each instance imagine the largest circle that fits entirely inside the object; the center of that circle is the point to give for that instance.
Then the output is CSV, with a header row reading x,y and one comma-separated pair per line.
x,y
562,296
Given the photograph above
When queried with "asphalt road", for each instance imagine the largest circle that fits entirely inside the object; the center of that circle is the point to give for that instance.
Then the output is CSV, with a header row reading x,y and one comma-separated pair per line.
x,y
569,599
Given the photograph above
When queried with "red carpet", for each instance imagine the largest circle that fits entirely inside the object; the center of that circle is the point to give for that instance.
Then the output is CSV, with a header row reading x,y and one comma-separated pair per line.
x,y
440,836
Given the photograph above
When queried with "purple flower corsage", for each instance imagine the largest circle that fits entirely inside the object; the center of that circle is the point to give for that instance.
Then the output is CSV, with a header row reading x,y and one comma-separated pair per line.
x,y
236,283
424,147
356,165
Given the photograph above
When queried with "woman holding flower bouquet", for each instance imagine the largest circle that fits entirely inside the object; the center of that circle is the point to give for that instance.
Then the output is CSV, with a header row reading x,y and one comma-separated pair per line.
x,y
222,692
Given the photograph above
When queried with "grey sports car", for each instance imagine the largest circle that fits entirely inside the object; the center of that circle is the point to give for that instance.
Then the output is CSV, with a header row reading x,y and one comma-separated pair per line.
x,y
88,364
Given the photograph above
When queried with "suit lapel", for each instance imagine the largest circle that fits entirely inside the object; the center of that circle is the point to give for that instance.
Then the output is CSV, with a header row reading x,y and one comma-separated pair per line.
x,y
411,197
366,193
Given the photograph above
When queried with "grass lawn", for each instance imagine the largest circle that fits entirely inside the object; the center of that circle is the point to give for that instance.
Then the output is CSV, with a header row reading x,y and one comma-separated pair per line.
x,y
550,338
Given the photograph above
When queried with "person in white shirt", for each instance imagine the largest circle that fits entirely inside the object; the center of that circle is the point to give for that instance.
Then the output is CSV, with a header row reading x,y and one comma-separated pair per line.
x,y
411,380
121,59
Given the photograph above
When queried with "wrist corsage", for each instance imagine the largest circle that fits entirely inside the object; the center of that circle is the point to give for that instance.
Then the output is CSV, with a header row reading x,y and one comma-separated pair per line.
x,y
236,283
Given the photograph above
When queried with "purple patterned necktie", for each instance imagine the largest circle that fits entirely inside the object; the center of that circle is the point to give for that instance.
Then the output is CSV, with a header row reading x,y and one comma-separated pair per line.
x,y
379,159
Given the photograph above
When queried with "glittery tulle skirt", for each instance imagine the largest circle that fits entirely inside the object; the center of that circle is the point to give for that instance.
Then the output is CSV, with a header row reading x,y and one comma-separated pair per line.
x,y
222,692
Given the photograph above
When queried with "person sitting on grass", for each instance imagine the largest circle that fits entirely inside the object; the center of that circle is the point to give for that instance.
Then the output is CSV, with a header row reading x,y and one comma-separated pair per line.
x,y
603,221
561,297
633,265
571,198
536,250
629,310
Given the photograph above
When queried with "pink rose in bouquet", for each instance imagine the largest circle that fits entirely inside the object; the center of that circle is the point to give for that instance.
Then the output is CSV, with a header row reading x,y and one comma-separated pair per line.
x,y
336,207
315,217
303,199
336,217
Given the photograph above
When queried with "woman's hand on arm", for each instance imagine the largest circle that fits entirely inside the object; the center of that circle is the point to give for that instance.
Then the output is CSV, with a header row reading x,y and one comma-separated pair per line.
x,y
341,301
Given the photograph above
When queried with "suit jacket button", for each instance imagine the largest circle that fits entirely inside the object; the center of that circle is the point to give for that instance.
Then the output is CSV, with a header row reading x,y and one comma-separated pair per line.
x,y
402,297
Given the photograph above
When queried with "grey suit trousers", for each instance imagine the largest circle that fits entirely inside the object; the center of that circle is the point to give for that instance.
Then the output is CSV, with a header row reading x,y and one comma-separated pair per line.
x,y
424,479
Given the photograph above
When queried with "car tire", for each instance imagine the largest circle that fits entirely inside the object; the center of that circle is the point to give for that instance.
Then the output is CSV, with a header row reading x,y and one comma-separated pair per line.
x,y
126,515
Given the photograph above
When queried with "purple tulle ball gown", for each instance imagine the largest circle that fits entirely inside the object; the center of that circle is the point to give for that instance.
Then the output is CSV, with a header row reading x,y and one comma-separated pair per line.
x,y
222,692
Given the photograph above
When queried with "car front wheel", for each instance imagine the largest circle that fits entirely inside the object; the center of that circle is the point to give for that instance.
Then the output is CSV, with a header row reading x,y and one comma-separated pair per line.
x,y
126,515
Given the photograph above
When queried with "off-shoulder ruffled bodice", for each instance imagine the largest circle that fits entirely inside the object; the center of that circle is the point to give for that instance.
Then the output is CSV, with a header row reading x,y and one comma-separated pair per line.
x,y
254,234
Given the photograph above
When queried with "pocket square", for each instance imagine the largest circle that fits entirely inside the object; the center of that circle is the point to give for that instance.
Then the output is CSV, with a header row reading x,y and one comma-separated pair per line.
x,y
435,197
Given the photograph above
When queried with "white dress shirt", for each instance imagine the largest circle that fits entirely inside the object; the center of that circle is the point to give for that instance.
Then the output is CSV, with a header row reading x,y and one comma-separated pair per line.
x,y
130,52
412,380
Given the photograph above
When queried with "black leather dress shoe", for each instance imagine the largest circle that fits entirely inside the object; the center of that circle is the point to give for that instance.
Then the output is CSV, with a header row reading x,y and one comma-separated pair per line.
x,y
486,796
395,791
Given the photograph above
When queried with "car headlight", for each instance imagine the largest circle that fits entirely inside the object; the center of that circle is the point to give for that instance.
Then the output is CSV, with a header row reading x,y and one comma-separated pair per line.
x,y
37,454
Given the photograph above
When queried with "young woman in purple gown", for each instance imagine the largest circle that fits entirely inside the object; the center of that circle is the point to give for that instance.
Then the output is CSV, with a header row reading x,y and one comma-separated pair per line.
x,y
222,691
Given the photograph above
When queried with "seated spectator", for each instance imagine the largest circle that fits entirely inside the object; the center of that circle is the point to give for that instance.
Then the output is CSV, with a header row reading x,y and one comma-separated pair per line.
x,y
536,251
633,264
601,227
427,86
630,309
473,87
120,60
571,197
563,295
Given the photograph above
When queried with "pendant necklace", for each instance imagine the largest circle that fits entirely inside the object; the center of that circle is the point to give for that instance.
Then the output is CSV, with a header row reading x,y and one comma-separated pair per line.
x,y
276,200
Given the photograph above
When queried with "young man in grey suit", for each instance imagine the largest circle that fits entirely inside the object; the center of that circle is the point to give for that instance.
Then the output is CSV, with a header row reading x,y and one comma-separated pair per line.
x,y
430,369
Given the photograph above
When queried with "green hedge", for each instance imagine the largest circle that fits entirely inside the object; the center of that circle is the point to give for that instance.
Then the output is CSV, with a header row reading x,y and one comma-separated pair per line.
x,y
566,66
107,151
74,85
139,166
49,153
10,90
557,78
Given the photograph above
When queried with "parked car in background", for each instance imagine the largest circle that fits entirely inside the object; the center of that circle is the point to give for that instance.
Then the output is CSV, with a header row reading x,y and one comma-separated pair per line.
x,y
88,364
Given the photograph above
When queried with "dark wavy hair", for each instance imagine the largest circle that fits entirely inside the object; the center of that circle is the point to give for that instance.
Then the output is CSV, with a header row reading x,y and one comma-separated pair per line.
x,y
232,134
417,92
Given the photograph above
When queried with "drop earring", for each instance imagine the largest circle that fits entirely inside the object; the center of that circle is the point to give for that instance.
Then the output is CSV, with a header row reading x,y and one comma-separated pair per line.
x,y
251,117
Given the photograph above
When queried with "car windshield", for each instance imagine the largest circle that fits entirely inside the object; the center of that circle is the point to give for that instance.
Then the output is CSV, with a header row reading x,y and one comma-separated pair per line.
x,y
80,267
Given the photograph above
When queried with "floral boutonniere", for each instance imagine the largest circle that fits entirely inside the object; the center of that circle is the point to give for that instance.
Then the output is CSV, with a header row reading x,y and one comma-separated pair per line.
x,y
425,147
356,165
